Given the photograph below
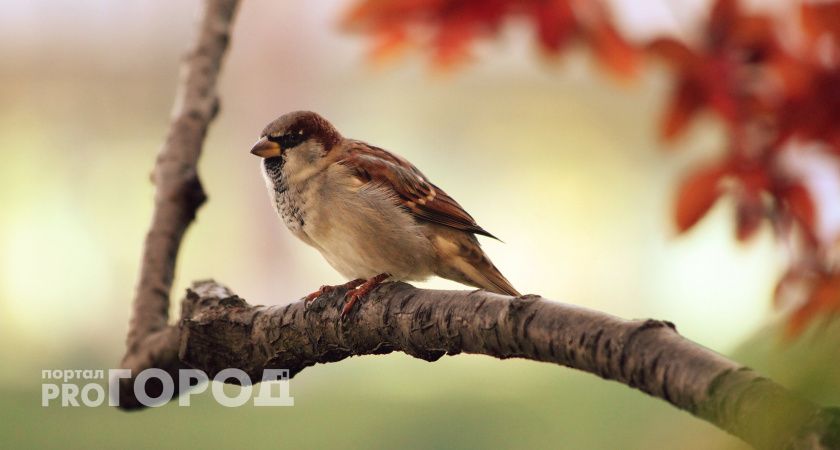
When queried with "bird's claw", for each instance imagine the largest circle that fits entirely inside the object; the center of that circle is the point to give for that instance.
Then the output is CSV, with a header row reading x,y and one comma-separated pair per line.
x,y
349,301
328,289
309,299
360,291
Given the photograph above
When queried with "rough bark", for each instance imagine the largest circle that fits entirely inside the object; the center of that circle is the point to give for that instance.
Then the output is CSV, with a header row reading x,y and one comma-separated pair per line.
x,y
178,191
218,330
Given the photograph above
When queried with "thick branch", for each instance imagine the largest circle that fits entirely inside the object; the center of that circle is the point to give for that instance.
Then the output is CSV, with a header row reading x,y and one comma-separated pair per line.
x,y
178,191
220,330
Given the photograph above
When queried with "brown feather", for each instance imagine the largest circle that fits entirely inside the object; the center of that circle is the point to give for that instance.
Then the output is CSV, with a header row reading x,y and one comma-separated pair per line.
x,y
492,278
419,196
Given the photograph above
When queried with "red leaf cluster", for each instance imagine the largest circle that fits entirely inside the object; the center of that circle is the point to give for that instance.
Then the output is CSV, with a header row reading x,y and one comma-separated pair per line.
x,y
772,90
770,97
449,27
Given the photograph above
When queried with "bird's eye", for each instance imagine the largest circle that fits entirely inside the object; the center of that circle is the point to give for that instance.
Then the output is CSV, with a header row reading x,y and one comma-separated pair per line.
x,y
290,139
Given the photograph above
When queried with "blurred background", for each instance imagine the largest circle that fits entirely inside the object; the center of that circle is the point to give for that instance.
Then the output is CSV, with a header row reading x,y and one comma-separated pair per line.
x,y
556,158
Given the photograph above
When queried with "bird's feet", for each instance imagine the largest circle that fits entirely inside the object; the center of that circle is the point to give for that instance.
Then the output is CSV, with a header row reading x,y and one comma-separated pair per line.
x,y
361,290
326,289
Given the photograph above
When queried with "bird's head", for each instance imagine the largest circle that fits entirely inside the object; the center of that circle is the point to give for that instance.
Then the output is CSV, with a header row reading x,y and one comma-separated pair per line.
x,y
302,136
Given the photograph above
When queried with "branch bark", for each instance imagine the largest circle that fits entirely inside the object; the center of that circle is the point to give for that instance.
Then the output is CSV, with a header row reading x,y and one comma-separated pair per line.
x,y
179,193
218,330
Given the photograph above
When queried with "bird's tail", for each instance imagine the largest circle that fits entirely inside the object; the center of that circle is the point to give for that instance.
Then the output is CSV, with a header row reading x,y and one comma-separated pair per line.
x,y
489,278
469,264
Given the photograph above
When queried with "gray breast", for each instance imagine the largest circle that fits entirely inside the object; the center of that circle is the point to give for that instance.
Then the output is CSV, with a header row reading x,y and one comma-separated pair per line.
x,y
288,201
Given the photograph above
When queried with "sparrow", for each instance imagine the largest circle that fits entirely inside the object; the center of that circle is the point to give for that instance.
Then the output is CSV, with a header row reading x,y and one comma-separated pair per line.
x,y
371,214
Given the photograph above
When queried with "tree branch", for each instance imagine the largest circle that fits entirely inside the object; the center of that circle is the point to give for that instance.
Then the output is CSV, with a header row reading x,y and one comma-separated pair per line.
x,y
178,191
218,330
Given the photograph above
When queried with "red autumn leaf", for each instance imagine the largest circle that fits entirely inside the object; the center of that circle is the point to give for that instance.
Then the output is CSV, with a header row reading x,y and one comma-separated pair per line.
x,y
388,44
451,44
812,113
612,50
555,22
722,20
819,19
823,298
696,195
797,201
685,103
753,177
749,214
672,51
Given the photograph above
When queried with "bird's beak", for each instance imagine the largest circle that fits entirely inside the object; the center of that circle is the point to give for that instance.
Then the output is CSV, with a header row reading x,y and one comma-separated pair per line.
x,y
266,149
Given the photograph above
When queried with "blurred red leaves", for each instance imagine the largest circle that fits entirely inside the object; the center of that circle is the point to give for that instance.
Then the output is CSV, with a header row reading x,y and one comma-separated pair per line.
x,y
449,27
823,299
821,20
773,92
697,194
811,114
718,74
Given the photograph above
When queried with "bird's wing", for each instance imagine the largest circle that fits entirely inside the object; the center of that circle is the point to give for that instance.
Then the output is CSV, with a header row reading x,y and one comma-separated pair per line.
x,y
417,194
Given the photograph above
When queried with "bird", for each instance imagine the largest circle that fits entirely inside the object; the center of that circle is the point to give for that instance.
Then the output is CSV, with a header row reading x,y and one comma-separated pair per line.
x,y
371,214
